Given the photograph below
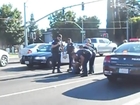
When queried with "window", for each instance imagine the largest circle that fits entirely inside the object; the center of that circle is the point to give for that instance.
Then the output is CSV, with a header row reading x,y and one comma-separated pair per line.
x,y
44,48
31,46
106,40
93,40
101,41
132,48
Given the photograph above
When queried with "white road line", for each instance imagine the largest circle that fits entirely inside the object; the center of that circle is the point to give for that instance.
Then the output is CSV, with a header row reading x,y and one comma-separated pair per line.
x,y
48,87
133,102
30,73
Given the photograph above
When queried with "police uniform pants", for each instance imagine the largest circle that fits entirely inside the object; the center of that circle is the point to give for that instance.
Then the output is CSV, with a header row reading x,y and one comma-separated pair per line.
x,y
91,63
70,61
86,59
56,58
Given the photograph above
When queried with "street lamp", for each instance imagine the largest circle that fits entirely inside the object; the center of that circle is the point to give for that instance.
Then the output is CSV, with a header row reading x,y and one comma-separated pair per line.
x,y
81,28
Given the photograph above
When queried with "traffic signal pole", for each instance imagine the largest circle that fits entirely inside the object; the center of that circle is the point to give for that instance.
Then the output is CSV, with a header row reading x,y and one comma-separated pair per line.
x,y
25,27
66,8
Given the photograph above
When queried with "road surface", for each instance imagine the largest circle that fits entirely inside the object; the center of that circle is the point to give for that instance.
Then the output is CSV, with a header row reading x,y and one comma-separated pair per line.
x,y
20,86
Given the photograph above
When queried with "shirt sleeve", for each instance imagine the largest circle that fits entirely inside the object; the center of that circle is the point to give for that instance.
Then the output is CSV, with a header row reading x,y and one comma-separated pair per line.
x,y
53,43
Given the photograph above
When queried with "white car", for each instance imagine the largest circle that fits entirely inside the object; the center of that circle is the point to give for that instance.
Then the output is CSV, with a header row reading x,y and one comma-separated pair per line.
x,y
4,58
103,45
32,48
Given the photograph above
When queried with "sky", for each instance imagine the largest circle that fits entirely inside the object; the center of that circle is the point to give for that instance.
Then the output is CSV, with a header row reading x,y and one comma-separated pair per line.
x,y
41,8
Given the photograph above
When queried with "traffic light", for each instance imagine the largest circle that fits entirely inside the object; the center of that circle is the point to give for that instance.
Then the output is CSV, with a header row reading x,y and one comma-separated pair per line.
x,y
63,11
83,7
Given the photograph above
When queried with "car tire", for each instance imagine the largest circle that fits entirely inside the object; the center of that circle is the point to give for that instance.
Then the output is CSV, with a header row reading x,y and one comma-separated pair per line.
x,y
101,54
49,62
30,66
4,61
112,79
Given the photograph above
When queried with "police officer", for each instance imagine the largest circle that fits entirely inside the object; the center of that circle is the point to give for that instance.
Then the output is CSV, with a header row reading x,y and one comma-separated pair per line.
x,y
83,55
90,46
56,53
70,50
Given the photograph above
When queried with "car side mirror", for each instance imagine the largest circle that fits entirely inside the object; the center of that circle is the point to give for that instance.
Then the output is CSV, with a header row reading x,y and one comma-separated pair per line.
x,y
37,50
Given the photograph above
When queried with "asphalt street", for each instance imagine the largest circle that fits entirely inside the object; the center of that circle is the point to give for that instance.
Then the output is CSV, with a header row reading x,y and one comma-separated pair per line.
x,y
21,86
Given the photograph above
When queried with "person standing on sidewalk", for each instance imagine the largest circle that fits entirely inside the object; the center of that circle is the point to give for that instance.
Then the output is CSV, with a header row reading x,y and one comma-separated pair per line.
x,y
57,48
70,50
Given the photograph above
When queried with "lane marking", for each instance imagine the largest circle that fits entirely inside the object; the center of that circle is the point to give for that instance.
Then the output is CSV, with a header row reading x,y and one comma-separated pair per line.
x,y
48,87
30,73
133,102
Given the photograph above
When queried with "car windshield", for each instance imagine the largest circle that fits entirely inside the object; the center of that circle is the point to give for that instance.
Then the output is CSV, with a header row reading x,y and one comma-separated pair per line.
x,y
44,48
131,48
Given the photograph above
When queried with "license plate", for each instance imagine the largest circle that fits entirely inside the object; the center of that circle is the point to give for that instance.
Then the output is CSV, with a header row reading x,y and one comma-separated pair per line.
x,y
123,71
26,62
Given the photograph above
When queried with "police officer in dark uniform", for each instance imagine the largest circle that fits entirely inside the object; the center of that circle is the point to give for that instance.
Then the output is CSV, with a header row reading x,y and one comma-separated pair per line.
x,y
90,46
56,53
70,50
83,55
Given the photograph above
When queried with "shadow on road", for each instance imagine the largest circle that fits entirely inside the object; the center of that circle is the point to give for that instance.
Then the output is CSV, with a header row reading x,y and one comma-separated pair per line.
x,y
26,76
23,68
58,77
103,90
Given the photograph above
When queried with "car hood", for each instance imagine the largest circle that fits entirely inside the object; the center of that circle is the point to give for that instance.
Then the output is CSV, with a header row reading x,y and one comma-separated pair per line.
x,y
39,54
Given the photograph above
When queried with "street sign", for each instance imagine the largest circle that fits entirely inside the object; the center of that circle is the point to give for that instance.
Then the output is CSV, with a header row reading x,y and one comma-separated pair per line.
x,y
83,32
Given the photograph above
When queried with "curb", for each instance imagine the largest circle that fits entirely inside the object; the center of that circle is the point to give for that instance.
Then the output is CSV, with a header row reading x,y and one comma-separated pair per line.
x,y
13,62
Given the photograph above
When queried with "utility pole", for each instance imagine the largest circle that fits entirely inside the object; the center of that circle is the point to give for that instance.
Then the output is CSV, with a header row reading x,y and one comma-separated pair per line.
x,y
82,31
25,30
127,26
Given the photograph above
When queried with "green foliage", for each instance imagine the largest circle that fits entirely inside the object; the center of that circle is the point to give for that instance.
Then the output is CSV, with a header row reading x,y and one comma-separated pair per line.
x,y
119,15
11,31
33,27
66,24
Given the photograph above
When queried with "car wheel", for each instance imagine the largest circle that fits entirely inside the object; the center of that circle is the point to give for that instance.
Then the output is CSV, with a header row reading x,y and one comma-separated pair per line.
x,y
112,79
101,54
49,62
30,66
3,61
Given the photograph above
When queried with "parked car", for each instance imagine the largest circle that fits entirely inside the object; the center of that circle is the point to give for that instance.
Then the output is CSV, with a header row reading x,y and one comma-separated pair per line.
x,y
123,62
42,57
103,45
32,48
4,58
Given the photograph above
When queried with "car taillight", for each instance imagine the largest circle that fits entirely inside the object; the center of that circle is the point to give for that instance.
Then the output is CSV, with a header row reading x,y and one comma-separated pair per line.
x,y
107,59
29,51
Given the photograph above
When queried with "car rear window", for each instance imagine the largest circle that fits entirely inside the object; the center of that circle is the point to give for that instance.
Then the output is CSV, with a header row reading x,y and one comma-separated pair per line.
x,y
132,48
31,46
93,40
44,48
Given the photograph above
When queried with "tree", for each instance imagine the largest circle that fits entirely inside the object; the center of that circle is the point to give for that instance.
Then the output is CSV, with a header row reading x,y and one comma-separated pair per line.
x,y
135,22
119,17
90,24
33,27
11,29
63,23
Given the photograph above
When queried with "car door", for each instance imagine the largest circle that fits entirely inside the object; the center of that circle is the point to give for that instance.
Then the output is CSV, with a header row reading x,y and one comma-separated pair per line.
x,y
101,45
107,45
